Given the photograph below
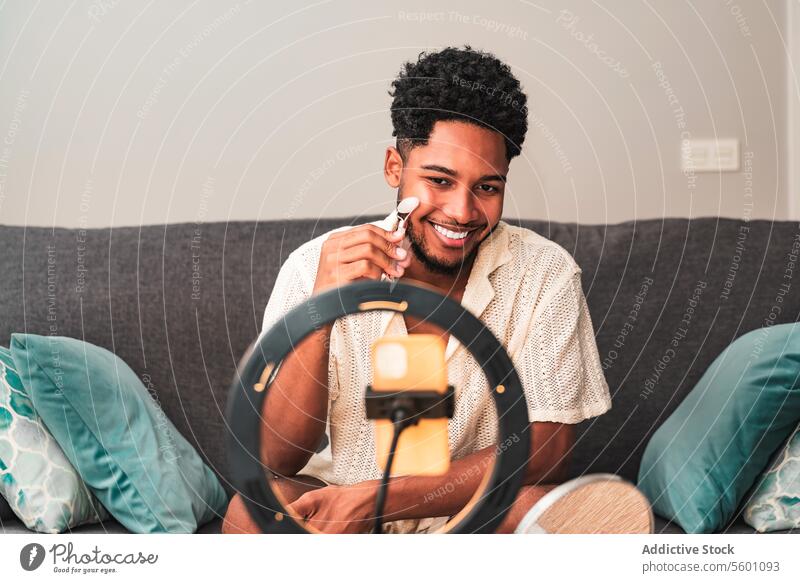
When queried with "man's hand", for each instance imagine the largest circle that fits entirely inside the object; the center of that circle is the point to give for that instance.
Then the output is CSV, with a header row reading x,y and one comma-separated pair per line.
x,y
338,509
363,252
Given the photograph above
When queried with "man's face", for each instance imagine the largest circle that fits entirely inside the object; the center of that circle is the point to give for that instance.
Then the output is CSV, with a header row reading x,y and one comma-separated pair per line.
x,y
459,177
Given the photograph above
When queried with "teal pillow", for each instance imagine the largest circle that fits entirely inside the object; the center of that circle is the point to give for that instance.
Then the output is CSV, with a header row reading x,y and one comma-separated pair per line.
x,y
702,461
775,503
117,438
37,482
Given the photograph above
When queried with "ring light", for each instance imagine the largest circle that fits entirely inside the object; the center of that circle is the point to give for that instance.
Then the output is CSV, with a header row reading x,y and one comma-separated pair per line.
x,y
257,369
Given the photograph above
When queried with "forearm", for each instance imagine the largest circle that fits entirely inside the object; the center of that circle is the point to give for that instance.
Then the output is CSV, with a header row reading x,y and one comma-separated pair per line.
x,y
445,495
296,406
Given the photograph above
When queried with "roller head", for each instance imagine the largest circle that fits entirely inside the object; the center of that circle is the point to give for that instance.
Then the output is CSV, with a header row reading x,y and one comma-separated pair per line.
x,y
407,205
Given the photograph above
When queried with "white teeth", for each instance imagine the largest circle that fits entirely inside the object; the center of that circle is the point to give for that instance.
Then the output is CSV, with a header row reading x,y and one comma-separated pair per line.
x,y
450,234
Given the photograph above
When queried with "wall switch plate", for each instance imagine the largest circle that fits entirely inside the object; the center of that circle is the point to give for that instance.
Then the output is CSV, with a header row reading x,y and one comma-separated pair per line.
x,y
710,155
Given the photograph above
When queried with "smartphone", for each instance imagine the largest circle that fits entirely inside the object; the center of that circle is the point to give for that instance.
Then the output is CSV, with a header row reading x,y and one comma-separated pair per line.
x,y
414,362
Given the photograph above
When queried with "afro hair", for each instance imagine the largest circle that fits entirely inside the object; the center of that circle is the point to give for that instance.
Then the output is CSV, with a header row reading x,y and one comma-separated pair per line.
x,y
457,84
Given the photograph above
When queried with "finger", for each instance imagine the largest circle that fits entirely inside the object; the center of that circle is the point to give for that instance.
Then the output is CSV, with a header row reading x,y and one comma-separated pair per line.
x,y
362,269
397,235
368,251
294,511
405,262
367,233
301,507
393,251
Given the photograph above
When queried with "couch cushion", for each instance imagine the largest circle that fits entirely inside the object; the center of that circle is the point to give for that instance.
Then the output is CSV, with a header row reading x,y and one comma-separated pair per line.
x,y
180,304
5,510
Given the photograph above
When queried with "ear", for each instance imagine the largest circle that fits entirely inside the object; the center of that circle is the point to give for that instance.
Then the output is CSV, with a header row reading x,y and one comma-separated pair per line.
x,y
393,167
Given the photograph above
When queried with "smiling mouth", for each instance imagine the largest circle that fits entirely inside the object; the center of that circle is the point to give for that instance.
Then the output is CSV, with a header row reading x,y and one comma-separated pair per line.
x,y
455,238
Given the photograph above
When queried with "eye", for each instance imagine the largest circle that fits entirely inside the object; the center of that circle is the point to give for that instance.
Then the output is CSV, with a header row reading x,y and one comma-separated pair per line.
x,y
488,188
438,180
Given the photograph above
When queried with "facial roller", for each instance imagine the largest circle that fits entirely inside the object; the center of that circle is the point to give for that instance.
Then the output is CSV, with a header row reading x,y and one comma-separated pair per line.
x,y
404,208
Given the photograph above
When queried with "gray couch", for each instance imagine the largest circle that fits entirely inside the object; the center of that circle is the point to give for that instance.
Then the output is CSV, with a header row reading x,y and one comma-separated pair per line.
x,y
180,303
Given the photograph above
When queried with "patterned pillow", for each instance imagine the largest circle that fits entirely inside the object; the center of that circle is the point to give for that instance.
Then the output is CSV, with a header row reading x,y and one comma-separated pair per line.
x,y
775,504
36,478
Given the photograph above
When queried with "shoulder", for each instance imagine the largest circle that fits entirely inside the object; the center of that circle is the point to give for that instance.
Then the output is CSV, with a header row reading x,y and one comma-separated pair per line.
x,y
537,257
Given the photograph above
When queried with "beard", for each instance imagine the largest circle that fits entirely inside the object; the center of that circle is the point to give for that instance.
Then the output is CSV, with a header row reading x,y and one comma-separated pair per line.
x,y
419,247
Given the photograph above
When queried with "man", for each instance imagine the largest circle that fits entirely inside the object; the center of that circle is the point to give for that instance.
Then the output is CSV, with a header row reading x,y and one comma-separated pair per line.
x,y
459,117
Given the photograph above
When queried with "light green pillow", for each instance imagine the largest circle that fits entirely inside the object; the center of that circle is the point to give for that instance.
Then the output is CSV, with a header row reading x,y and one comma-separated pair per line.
x,y
775,503
701,462
36,479
120,441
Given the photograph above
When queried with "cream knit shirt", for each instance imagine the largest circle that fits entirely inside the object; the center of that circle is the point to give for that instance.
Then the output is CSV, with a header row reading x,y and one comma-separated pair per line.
x,y
523,287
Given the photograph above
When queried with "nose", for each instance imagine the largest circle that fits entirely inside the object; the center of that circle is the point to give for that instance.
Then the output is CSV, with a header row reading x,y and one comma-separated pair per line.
x,y
459,205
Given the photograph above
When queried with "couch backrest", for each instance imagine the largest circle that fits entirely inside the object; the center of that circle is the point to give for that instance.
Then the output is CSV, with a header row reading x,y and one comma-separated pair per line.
x,y
180,303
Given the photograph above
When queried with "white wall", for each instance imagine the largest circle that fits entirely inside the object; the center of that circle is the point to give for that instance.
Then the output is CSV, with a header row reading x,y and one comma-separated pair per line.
x,y
792,41
129,112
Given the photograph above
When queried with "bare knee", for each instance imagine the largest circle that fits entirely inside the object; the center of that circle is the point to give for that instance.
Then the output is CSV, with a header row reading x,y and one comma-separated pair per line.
x,y
237,518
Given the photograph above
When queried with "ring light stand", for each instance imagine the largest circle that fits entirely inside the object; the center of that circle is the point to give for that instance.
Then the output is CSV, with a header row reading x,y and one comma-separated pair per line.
x,y
258,368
